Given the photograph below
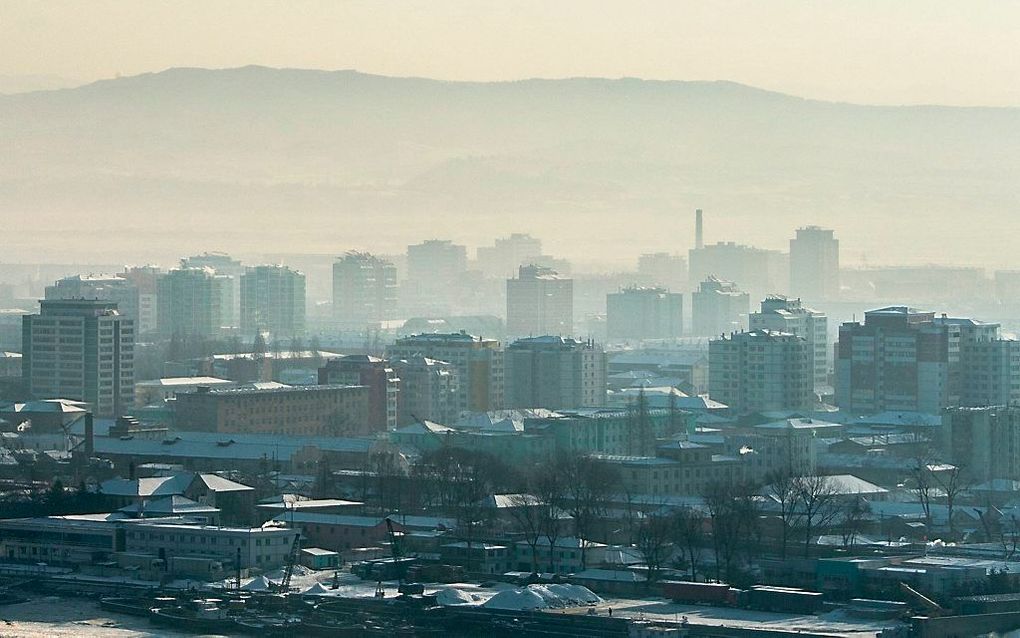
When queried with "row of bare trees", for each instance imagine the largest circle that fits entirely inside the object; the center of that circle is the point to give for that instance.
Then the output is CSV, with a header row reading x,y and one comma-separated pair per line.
x,y
809,503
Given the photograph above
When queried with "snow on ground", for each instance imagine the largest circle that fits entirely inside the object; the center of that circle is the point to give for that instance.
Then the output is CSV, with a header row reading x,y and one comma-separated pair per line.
x,y
665,610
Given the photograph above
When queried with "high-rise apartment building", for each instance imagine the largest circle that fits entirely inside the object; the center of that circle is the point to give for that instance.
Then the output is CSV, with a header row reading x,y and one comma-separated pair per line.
x,y
814,264
718,307
195,302
664,269
273,301
904,359
539,302
435,270
898,359
989,365
222,264
80,349
145,279
758,271
113,288
479,364
507,254
760,370
374,373
428,390
983,442
644,313
364,290
783,314
555,373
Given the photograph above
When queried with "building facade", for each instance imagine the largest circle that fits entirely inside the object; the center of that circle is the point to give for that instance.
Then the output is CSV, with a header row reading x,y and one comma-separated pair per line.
x,y
364,290
377,375
644,313
83,350
318,410
983,442
507,254
783,314
898,359
435,270
145,278
479,364
273,301
760,272
718,307
760,370
814,264
226,266
428,390
664,269
195,303
555,373
539,302
113,288
989,364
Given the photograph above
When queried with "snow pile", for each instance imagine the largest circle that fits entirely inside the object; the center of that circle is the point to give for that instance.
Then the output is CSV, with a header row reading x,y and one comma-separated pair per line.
x,y
542,597
517,600
453,596
258,584
575,594
316,590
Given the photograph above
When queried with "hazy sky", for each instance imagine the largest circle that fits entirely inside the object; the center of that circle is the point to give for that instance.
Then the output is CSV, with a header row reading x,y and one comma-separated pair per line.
x,y
877,51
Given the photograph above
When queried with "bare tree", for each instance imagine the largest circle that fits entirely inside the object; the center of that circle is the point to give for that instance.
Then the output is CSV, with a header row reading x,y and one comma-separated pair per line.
x,y
589,485
655,542
526,510
818,502
784,487
951,481
852,519
924,486
734,512
690,530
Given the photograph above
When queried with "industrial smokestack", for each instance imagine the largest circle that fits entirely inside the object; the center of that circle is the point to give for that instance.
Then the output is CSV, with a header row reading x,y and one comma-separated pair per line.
x,y
699,230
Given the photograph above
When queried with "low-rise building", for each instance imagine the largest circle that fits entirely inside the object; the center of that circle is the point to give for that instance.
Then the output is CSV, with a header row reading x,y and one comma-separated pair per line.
x,y
162,390
339,532
97,538
235,501
563,556
333,410
211,451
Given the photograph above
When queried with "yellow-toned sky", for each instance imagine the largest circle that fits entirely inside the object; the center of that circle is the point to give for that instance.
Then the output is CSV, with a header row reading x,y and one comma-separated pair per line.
x,y
874,51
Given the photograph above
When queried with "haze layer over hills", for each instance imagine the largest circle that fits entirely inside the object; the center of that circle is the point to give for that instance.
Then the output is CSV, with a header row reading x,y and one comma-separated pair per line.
x,y
314,161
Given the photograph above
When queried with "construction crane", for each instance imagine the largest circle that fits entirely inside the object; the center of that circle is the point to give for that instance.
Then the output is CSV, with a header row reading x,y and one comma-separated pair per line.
x,y
395,548
292,559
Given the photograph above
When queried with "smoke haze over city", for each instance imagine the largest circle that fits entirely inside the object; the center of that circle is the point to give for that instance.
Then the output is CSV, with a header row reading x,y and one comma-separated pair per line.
x,y
584,318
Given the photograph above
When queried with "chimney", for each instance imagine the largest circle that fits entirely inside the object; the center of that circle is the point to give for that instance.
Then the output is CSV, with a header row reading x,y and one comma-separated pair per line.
x,y
699,230
90,435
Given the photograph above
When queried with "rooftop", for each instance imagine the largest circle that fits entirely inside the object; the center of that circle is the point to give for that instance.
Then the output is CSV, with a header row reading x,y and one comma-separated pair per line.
x,y
170,382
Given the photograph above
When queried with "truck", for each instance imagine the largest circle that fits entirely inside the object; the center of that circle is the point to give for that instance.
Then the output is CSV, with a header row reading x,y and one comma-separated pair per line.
x,y
784,599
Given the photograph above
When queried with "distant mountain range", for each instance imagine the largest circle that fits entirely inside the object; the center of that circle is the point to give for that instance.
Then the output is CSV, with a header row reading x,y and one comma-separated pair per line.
x,y
271,160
